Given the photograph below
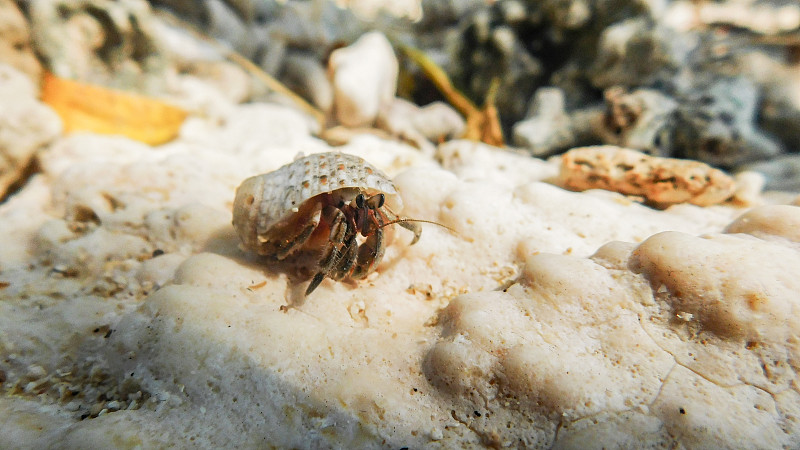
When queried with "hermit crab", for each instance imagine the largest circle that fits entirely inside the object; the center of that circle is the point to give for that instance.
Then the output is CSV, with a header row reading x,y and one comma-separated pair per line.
x,y
321,203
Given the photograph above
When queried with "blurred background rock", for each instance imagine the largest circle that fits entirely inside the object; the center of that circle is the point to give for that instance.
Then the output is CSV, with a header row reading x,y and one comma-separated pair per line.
x,y
716,81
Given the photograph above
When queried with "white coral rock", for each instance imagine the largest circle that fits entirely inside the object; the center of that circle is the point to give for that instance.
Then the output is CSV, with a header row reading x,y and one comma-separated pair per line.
x,y
545,318
25,125
364,77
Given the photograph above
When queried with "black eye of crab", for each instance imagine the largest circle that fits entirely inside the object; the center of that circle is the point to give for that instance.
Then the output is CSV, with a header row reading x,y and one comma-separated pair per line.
x,y
360,200
376,201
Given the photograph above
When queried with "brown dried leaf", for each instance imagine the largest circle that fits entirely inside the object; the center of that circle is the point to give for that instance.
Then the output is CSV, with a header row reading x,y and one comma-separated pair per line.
x,y
483,124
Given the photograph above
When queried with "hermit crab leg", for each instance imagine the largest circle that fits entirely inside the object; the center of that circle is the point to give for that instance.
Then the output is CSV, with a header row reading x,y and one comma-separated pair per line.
x,y
340,228
413,227
288,246
345,264
388,217
315,282
369,255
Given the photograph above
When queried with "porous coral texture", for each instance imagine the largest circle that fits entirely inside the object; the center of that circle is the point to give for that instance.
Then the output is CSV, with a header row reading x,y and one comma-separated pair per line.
x,y
664,181
130,317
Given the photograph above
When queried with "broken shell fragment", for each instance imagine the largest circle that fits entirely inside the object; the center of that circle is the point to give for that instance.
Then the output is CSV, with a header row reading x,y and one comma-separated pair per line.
x,y
664,181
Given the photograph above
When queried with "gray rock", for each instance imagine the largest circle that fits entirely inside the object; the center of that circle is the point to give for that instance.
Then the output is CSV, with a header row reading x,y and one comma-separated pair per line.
x,y
439,13
438,121
422,127
782,173
253,11
716,124
272,51
314,26
637,53
779,112
191,10
549,129
305,75
484,50
99,41
636,120
226,25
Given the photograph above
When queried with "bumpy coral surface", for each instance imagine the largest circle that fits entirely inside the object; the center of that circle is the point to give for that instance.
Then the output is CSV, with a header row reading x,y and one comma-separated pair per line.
x,y
130,317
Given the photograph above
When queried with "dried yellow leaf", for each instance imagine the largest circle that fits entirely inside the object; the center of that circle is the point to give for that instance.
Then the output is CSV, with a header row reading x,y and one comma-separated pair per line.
x,y
483,124
87,107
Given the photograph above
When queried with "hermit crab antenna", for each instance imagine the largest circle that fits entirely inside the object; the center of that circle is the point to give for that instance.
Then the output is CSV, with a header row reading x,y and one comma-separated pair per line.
x,y
406,220
402,220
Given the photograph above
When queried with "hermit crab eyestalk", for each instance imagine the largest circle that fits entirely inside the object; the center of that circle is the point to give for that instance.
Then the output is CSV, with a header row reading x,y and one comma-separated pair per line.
x,y
376,201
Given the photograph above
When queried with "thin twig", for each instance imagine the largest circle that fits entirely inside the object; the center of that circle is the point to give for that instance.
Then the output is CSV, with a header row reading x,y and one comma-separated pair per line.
x,y
235,57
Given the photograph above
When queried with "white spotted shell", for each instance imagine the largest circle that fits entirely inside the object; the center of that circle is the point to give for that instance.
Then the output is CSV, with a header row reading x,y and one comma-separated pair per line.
x,y
266,203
